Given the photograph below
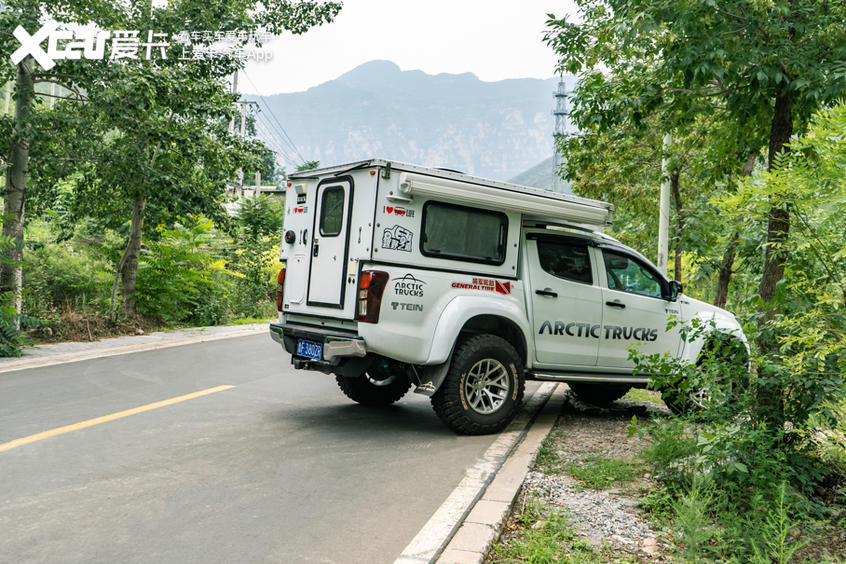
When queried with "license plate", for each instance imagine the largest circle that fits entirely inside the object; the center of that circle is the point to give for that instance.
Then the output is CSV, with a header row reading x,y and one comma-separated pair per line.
x,y
310,349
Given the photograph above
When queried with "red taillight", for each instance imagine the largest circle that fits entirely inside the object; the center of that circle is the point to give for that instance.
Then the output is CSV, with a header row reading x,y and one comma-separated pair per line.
x,y
370,290
280,282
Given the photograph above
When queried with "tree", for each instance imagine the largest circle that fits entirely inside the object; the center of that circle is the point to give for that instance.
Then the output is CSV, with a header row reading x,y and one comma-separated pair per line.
x,y
767,65
139,158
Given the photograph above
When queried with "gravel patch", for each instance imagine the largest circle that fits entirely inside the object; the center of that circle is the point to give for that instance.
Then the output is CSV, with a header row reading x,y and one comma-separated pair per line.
x,y
607,518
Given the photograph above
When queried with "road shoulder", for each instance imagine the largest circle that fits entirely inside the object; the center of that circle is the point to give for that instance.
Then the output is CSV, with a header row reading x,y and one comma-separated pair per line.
x,y
61,353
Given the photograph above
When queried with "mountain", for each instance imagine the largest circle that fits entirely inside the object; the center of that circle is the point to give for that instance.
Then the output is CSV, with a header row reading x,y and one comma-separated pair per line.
x,y
540,176
456,121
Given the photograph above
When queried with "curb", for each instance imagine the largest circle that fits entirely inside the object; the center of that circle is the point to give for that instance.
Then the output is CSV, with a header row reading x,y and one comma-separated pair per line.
x,y
483,525
463,527
63,358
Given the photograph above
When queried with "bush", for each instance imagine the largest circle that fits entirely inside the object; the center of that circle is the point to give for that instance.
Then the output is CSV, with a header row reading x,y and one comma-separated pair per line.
x,y
256,259
61,275
181,279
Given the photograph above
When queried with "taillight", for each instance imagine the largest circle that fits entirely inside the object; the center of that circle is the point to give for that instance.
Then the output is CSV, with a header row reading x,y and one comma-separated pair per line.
x,y
280,282
370,290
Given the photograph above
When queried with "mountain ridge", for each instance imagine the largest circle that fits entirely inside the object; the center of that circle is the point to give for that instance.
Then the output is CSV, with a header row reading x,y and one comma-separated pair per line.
x,y
457,121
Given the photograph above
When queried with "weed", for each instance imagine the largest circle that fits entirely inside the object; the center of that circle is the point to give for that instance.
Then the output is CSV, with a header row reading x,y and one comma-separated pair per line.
x,y
692,522
544,539
640,394
774,544
548,460
600,472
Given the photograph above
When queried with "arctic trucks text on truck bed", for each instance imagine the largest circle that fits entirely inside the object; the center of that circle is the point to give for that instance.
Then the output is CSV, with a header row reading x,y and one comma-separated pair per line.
x,y
397,275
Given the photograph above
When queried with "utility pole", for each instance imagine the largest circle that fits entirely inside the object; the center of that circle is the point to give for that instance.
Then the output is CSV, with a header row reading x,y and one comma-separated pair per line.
x,y
244,104
664,207
234,91
560,112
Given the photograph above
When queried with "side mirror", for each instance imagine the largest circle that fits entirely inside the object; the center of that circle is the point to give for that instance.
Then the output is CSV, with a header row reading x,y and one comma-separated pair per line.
x,y
675,290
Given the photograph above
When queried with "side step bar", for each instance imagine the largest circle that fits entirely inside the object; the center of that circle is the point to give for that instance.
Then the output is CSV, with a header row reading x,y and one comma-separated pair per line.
x,y
586,377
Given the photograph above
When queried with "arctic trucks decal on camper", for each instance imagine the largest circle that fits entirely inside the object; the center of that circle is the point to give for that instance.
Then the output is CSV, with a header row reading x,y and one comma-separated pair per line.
x,y
470,288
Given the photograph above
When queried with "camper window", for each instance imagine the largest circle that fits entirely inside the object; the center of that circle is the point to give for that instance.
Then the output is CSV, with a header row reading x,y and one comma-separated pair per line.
x,y
332,211
461,233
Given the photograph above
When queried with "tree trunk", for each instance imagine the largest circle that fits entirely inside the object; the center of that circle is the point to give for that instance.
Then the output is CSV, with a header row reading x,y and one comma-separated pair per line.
x,y
726,269
11,272
129,272
770,396
680,221
727,263
778,221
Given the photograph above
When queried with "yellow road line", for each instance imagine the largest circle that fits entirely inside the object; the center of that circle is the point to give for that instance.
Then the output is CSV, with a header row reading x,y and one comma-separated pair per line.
x,y
106,418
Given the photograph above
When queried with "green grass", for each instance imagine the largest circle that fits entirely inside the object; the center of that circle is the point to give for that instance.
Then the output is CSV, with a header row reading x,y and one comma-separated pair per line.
x,y
544,539
641,394
250,321
599,472
548,460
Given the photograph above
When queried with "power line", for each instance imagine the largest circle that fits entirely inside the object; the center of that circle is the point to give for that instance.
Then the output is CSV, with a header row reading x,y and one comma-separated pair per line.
x,y
273,115
273,141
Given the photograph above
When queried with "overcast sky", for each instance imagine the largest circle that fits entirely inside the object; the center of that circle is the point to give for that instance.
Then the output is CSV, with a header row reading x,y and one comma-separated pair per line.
x,y
494,39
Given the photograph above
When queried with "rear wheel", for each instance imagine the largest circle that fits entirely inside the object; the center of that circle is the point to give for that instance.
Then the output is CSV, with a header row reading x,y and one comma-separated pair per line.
x,y
383,384
598,394
483,388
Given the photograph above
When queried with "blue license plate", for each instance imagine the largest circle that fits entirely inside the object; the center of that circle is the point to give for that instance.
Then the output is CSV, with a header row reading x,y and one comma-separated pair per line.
x,y
310,349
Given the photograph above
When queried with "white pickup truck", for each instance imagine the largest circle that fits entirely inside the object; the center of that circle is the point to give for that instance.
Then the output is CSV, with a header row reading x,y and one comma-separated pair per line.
x,y
397,275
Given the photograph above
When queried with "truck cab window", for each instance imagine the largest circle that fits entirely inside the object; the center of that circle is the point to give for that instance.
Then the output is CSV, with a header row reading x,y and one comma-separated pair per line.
x,y
332,211
628,275
565,259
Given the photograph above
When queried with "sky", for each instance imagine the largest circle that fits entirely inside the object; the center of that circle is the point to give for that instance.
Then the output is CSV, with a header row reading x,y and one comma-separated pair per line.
x,y
494,39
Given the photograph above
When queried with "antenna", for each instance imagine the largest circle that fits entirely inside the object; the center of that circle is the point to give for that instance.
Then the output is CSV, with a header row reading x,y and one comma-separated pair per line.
x,y
561,114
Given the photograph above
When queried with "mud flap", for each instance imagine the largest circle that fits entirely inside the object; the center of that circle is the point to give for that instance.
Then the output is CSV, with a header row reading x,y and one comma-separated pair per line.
x,y
430,378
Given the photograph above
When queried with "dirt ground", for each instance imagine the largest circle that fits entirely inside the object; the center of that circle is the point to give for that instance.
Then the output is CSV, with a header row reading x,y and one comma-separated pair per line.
x,y
76,326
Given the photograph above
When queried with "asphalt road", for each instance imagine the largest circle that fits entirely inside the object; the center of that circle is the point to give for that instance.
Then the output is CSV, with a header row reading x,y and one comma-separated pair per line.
x,y
280,468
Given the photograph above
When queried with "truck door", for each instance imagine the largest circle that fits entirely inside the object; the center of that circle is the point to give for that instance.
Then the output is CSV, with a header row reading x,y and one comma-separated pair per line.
x,y
635,312
329,243
566,301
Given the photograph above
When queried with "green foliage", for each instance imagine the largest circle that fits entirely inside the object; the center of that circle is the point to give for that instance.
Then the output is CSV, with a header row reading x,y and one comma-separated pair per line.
x,y
308,165
180,277
259,223
599,472
693,525
543,540
71,274
548,460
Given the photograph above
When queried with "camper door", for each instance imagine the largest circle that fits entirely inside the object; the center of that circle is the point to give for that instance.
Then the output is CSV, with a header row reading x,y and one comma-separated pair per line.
x,y
329,243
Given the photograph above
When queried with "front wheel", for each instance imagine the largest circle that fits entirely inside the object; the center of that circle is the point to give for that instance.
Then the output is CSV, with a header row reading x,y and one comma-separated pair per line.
x,y
483,388
723,376
383,384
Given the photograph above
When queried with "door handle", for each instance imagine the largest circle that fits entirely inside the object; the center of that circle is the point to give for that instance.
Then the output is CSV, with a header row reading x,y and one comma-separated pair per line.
x,y
547,292
315,249
616,303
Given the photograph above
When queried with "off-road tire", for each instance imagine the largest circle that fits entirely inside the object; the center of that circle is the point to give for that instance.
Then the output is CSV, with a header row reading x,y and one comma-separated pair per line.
x,y
451,402
597,393
684,402
381,384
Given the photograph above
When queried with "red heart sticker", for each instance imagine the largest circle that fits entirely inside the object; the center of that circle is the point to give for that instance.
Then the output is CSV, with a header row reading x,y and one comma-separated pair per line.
x,y
389,209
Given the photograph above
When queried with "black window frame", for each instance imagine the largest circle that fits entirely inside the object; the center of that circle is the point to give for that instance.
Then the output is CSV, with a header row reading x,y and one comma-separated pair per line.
x,y
573,242
336,188
503,246
662,280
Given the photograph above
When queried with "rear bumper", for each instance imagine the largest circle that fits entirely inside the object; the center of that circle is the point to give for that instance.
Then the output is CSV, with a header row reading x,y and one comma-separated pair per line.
x,y
336,344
